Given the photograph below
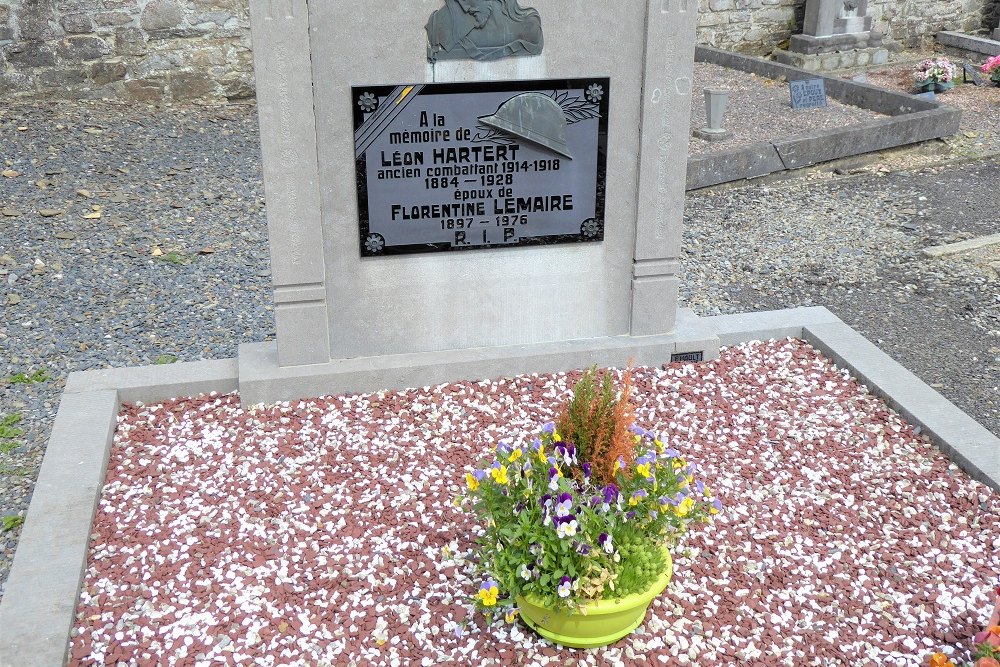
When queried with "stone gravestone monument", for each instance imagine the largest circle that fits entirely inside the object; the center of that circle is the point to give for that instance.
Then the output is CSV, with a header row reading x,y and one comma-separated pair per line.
x,y
837,34
460,189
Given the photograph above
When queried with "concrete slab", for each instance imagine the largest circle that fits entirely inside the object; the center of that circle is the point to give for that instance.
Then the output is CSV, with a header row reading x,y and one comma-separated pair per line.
x,y
962,246
39,603
262,380
159,383
767,325
867,137
969,43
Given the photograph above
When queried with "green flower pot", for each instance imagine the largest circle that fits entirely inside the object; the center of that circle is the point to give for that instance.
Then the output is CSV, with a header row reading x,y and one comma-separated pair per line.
x,y
605,622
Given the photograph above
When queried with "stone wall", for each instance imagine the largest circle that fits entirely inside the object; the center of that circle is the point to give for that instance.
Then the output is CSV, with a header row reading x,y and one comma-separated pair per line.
x,y
760,26
182,50
145,50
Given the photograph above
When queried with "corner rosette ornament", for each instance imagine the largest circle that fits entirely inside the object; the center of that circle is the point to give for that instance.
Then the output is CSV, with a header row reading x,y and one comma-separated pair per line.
x,y
590,229
375,243
595,93
368,102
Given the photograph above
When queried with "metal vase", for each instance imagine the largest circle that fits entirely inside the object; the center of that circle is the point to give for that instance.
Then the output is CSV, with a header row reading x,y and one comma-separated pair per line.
x,y
715,108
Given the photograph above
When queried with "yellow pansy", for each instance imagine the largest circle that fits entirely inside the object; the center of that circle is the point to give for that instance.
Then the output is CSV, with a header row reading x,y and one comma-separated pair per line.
x,y
499,475
488,593
471,480
685,506
643,469
515,455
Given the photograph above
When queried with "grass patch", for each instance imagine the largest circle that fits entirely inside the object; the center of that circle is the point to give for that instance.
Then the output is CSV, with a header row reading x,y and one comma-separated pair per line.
x,y
41,375
9,433
165,359
175,258
10,522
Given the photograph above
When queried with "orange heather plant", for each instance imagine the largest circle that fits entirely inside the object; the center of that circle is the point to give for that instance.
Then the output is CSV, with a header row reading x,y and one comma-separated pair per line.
x,y
599,421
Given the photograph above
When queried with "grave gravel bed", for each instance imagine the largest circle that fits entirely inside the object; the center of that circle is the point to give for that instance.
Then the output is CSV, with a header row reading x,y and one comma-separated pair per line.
x,y
760,109
326,531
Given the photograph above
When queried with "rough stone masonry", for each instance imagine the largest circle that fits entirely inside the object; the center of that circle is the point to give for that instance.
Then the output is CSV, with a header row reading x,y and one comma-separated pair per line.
x,y
143,50
183,50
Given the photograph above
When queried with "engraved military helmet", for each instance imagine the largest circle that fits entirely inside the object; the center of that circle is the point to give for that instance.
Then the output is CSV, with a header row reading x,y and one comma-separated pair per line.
x,y
533,117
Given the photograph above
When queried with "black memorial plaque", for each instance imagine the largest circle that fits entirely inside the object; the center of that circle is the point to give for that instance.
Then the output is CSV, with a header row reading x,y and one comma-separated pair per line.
x,y
461,166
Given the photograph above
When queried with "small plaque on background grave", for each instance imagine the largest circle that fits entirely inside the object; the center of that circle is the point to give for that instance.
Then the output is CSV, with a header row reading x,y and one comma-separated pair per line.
x,y
930,96
459,166
808,93
970,74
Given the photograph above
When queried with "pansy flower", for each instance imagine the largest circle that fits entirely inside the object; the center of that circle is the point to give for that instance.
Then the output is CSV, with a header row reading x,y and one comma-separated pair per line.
x,y
499,474
564,505
514,455
571,454
587,470
471,481
554,476
566,526
638,430
488,593
685,506
549,427
643,465
565,587
610,493
605,541
524,572
637,497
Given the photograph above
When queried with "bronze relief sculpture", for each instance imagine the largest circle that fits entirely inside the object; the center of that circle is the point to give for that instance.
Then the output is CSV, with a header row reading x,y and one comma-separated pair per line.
x,y
483,30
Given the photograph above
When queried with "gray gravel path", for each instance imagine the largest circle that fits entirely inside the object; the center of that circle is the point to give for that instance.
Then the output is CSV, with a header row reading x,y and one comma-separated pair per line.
x,y
186,183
